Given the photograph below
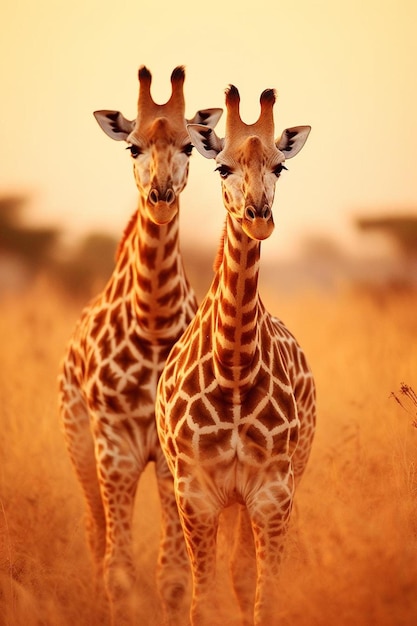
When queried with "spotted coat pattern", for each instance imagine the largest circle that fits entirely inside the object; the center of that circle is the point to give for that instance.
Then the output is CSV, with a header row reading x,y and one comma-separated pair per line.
x,y
109,375
236,401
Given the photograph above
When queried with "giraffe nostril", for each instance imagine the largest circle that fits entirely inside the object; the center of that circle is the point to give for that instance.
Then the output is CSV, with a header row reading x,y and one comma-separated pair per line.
x,y
170,196
250,213
153,197
266,212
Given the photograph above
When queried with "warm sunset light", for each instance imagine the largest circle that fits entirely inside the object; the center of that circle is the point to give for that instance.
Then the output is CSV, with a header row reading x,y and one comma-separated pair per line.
x,y
347,69
175,340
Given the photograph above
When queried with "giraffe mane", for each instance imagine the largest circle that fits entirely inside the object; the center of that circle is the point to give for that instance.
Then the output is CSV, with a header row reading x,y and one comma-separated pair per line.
x,y
130,226
220,250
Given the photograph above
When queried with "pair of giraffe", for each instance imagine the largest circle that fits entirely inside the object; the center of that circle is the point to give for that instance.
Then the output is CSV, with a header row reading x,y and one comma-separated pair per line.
x,y
231,419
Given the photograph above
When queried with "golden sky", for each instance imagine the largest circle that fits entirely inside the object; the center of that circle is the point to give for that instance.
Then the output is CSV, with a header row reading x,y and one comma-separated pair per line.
x,y
346,68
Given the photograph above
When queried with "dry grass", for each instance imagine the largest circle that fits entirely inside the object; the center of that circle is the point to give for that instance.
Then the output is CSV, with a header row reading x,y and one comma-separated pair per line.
x,y
352,549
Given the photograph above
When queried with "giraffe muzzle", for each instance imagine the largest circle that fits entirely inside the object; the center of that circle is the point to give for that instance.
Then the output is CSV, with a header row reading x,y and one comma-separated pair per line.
x,y
258,222
162,206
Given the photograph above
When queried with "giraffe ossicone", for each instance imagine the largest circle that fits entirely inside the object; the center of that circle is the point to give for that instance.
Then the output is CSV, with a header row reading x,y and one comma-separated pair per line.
x,y
235,405
108,378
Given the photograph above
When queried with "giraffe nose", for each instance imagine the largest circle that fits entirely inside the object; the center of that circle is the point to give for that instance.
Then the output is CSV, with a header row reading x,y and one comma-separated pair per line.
x,y
155,196
258,222
169,196
251,213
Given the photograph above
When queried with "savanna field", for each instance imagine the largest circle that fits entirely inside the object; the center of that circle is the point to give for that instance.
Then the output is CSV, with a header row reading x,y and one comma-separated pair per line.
x,y
351,556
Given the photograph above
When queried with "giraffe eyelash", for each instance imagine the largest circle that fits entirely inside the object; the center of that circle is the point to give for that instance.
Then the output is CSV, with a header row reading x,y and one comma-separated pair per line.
x,y
223,170
188,149
134,150
279,168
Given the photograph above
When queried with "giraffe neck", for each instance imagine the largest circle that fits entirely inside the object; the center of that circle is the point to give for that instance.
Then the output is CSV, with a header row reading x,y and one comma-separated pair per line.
x,y
236,331
152,273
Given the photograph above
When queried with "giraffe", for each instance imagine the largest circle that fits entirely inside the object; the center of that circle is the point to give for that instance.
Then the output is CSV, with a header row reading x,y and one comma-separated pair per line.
x,y
235,404
108,377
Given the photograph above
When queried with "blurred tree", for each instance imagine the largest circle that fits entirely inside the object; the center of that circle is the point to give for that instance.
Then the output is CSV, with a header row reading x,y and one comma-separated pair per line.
x,y
84,272
401,229
81,272
34,246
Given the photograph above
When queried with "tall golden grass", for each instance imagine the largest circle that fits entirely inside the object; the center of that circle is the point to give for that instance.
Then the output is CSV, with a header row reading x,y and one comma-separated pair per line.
x,y
351,554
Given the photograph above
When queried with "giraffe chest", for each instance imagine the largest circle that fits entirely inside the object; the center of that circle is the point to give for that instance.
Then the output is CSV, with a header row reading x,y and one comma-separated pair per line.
x,y
214,429
215,420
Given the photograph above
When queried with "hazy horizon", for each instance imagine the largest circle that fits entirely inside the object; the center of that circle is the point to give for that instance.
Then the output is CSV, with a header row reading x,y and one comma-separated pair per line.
x,y
343,68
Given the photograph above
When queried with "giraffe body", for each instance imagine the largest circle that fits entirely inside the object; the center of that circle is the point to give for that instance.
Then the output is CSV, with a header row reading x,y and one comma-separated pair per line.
x,y
236,401
109,375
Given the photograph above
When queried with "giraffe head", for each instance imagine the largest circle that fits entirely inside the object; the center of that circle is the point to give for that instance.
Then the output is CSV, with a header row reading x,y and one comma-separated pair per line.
x,y
158,143
250,161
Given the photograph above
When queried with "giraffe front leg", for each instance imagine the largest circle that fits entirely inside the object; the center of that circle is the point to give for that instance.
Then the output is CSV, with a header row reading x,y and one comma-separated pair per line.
x,y
80,445
243,566
173,573
269,512
200,522
118,489
119,569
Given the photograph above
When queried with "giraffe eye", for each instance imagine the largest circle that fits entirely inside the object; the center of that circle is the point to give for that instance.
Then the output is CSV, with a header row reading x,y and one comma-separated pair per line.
x,y
134,150
223,170
188,149
279,168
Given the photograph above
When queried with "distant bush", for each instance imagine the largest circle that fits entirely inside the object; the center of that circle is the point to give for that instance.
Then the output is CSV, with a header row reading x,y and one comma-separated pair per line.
x,y
80,272
402,229
34,246
85,271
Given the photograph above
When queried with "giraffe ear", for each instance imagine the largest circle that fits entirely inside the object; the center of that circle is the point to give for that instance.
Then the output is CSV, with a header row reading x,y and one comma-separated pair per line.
x,y
114,124
205,140
206,117
292,140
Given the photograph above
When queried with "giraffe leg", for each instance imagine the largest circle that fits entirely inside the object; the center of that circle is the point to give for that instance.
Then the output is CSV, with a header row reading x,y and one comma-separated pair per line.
x,y
173,573
119,471
243,566
119,569
80,445
269,513
200,522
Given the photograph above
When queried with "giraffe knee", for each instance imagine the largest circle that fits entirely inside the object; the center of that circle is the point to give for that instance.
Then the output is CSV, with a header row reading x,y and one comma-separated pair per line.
x,y
119,581
173,585
174,594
